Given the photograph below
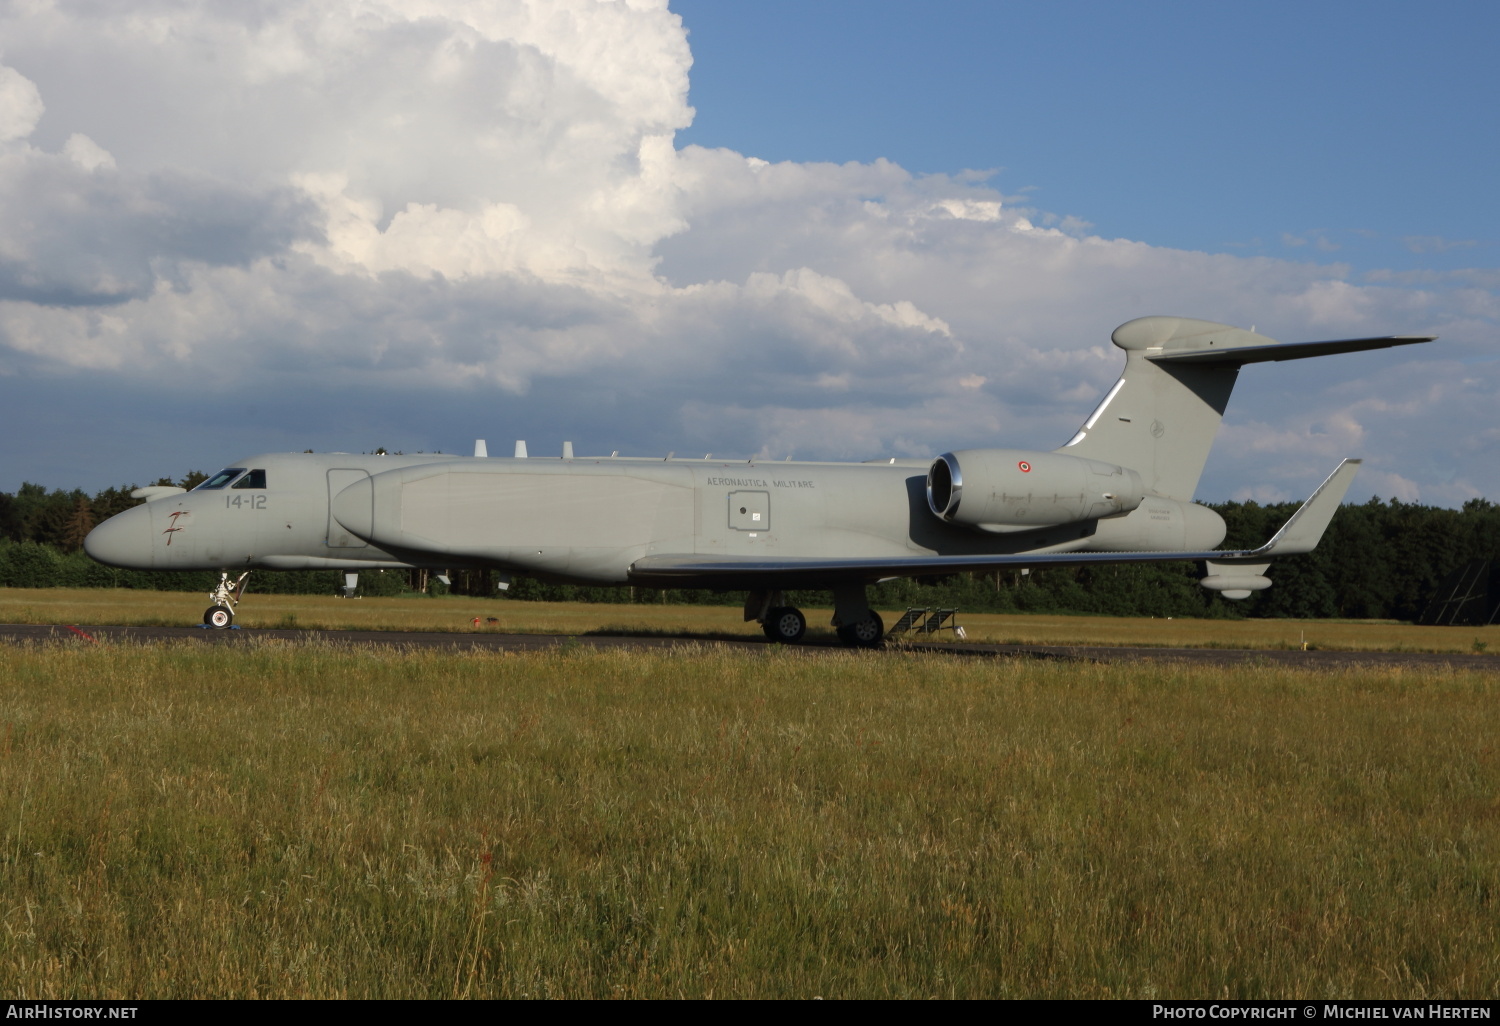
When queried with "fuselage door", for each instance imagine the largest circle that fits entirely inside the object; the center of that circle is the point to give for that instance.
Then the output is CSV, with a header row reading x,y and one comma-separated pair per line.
x,y
338,536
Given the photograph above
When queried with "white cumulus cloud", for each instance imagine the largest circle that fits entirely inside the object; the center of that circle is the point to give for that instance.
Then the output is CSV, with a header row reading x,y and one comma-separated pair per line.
x,y
20,105
435,219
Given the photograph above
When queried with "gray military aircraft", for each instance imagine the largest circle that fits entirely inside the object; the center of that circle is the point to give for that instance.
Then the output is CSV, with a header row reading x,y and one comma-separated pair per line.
x,y
1119,492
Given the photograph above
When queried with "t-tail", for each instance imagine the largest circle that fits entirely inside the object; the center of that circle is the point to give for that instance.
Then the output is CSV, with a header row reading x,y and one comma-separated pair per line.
x,y
1161,417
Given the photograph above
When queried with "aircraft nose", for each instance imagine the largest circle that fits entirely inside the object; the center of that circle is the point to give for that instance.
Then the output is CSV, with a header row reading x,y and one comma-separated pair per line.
x,y
124,540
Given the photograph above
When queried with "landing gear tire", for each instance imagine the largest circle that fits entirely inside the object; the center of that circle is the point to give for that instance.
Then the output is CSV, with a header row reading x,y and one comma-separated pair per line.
x,y
865,633
225,596
785,625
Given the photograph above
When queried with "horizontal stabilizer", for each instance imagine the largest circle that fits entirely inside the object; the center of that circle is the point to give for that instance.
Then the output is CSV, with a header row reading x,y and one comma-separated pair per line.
x,y
1239,355
1299,534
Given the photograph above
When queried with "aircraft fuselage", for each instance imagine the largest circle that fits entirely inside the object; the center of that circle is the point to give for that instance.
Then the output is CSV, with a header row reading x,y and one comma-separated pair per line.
x,y
590,520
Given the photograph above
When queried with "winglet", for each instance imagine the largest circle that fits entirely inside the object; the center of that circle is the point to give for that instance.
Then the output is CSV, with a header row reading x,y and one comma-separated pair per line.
x,y
1305,529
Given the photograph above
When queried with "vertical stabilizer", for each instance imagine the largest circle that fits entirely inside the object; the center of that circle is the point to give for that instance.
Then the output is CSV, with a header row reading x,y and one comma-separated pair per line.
x,y
1161,416
1160,419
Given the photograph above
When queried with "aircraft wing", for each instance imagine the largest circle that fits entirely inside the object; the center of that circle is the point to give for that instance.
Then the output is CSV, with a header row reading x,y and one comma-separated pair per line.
x,y
1299,534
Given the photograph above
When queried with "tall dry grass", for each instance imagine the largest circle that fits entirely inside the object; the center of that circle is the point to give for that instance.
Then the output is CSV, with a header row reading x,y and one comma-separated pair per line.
x,y
285,820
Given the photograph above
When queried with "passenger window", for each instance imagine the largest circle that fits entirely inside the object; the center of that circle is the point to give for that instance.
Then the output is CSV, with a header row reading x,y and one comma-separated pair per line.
x,y
221,479
253,479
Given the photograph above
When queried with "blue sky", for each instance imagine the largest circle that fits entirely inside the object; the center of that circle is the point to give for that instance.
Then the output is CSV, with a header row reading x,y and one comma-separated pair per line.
x,y
1213,126
833,230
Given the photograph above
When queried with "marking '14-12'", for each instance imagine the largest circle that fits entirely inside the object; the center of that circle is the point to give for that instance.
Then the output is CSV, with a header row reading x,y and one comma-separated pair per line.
x,y
245,501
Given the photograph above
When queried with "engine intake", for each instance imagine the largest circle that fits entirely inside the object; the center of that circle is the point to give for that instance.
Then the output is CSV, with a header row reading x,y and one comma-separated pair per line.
x,y
1010,489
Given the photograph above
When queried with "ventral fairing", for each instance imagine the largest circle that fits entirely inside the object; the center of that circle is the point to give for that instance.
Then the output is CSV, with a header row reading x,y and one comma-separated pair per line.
x,y
1120,491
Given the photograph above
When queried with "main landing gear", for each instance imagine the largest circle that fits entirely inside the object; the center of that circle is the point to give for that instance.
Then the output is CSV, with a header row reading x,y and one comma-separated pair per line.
x,y
858,625
220,615
784,624
866,632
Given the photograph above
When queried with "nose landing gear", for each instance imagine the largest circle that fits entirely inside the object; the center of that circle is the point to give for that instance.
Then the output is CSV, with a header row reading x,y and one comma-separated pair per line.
x,y
220,615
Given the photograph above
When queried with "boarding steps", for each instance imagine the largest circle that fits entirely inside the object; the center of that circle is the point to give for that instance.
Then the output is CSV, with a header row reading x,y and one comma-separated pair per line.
x,y
927,621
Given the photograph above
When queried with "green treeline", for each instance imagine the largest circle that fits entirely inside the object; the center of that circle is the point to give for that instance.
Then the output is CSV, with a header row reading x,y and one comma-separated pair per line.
x,y
1379,560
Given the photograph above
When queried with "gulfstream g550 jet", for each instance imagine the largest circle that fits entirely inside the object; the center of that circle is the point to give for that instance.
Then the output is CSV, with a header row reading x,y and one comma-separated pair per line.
x,y
1119,492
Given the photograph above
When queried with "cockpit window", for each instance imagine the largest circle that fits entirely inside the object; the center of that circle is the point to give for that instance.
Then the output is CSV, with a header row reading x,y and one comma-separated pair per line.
x,y
252,479
221,479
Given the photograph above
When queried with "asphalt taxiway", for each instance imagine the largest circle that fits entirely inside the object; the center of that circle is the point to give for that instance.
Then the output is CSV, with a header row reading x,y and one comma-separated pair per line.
x,y
495,641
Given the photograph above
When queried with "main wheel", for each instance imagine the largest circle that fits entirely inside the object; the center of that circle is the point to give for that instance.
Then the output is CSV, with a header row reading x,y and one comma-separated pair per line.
x,y
865,633
218,617
785,624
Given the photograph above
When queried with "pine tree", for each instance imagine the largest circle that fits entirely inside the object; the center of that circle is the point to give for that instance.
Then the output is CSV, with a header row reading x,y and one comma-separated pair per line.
x,y
77,527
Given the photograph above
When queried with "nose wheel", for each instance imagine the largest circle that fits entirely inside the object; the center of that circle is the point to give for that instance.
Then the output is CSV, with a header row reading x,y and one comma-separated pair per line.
x,y
220,615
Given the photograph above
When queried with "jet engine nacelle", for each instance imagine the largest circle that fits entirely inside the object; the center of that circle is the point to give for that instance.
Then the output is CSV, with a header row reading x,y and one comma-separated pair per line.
x,y
1011,490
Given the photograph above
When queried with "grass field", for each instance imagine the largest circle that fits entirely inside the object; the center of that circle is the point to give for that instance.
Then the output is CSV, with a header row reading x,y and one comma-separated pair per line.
x,y
286,819
112,606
